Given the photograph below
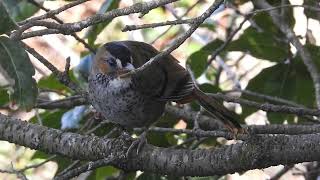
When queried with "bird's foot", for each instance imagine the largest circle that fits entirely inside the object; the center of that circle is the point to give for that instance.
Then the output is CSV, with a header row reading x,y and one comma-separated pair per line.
x,y
137,144
196,132
236,131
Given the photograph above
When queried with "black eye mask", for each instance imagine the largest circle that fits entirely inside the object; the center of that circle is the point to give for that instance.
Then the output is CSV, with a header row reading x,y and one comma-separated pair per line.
x,y
112,62
119,51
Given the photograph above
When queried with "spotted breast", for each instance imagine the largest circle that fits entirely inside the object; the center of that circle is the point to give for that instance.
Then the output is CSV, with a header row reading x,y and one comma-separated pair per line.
x,y
119,102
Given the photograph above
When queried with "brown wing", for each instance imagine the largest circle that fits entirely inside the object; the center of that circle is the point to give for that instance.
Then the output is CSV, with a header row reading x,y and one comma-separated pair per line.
x,y
166,79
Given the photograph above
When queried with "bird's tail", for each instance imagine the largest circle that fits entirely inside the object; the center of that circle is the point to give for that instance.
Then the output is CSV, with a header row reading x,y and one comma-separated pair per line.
x,y
217,110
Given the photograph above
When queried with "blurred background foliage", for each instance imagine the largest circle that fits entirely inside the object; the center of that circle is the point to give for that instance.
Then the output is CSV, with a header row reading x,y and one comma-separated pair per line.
x,y
258,59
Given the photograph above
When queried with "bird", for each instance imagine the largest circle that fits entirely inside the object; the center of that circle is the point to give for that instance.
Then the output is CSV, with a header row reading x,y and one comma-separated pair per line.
x,y
138,99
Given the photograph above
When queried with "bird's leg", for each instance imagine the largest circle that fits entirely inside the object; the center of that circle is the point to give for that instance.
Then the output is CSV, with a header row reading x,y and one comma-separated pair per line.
x,y
196,125
140,141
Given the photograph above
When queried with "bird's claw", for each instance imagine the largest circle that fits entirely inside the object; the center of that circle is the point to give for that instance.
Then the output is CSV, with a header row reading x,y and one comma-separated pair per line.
x,y
237,131
195,131
140,141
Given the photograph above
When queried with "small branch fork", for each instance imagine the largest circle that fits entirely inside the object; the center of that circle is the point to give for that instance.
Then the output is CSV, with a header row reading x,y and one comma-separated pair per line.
x,y
180,40
86,45
69,28
63,77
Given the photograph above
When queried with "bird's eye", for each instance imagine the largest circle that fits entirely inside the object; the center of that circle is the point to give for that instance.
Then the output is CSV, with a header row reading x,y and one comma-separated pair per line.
x,y
112,62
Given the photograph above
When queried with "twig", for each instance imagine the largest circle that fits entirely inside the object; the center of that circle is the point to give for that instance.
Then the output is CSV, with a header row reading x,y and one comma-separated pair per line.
x,y
67,169
19,174
102,123
39,164
197,133
282,172
43,60
228,40
252,130
178,41
269,107
86,167
69,28
63,77
167,30
39,119
86,45
270,98
285,6
68,102
51,13
153,25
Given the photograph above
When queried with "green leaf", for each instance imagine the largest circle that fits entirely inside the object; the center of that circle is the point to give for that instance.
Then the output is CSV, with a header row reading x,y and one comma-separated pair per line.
x,y
149,176
7,24
198,60
4,97
20,9
103,172
265,22
288,81
51,82
260,45
15,61
95,30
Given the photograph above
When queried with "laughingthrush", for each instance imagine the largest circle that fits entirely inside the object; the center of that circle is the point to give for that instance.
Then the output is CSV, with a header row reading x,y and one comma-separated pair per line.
x,y
138,99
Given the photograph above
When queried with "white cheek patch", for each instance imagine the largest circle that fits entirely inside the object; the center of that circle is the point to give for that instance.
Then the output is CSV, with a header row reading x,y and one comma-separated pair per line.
x,y
119,65
129,66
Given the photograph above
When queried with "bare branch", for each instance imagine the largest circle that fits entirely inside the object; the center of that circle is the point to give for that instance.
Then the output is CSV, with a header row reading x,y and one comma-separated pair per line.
x,y
228,40
86,45
63,77
84,168
197,133
153,25
69,28
52,13
180,40
269,107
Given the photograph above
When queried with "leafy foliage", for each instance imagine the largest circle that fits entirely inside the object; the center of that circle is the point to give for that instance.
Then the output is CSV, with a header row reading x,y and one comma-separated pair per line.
x,y
20,9
198,60
16,63
289,81
261,45
7,24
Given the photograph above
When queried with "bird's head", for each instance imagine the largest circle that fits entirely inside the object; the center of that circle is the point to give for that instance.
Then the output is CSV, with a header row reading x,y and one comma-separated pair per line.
x,y
112,57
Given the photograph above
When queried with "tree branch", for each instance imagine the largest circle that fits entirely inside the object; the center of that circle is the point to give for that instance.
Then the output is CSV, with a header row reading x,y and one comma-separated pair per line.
x,y
153,25
258,151
86,45
69,28
180,40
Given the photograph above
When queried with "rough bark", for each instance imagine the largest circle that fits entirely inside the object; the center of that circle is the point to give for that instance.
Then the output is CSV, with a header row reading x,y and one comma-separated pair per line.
x,y
258,151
